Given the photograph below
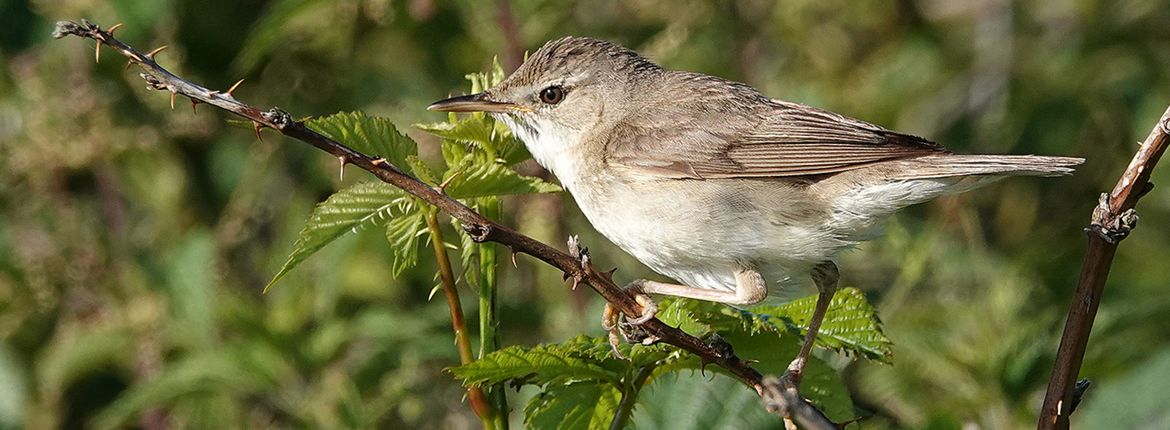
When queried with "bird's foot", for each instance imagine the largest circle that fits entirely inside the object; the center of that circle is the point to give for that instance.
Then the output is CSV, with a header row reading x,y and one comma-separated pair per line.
x,y
629,328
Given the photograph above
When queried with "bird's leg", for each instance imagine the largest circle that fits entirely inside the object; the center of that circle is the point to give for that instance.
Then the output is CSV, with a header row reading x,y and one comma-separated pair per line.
x,y
825,276
750,289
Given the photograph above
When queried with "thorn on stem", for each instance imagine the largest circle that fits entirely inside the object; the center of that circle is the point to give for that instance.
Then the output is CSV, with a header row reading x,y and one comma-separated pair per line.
x,y
446,182
173,100
378,162
129,63
151,54
514,259
193,103
114,28
97,52
234,86
342,159
608,274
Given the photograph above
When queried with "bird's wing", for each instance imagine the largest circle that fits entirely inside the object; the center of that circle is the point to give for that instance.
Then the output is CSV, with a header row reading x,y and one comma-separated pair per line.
x,y
784,140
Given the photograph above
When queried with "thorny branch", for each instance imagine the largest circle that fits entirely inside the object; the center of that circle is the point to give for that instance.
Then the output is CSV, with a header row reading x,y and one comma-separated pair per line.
x,y
1112,220
480,228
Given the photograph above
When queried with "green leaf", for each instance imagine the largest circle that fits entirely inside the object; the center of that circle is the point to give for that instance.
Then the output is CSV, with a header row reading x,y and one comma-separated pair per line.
x,y
511,149
690,401
468,255
359,206
374,136
469,130
539,365
421,170
580,405
456,154
403,232
851,324
495,179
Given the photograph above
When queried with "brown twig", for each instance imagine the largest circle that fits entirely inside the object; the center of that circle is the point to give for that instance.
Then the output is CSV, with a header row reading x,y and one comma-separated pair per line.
x,y
1112,220
478,227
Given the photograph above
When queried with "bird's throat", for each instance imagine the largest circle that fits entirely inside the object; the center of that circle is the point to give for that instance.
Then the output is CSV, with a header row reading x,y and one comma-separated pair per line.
x,y
554,148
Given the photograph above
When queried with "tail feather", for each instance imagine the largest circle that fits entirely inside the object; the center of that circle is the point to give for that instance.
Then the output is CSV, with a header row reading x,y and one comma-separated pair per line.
x,y
943,166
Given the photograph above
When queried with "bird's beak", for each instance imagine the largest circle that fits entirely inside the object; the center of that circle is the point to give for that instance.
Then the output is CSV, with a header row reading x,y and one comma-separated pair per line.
x,y
474,103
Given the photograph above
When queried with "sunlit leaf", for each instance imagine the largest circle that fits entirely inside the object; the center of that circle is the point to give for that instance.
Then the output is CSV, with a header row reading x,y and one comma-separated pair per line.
x,y
469,130
495,179
346,211
374,136
851,324
421,170
403,231
538,365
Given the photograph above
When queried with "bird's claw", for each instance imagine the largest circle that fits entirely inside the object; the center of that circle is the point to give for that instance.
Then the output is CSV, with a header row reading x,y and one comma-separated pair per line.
x,y
616,322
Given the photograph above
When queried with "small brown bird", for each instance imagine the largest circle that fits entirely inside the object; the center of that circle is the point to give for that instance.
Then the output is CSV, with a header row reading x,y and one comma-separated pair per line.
x,y
733,194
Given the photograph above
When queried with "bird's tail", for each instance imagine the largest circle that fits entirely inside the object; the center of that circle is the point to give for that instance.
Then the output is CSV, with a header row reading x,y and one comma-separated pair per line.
x,y
950,165
919,179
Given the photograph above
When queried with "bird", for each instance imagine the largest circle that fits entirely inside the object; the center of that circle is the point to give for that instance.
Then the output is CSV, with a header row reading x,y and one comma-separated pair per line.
x,y
735,195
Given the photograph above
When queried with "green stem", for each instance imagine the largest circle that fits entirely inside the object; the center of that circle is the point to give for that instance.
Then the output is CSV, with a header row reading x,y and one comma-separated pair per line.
x,y
489,339
476,397
625,409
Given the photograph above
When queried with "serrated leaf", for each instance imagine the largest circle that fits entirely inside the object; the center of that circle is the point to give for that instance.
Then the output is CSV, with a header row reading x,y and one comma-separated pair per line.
x,y
495,179
707,317
680,313
374,136
358,206
468,255
470,130
455,154
511,149
421,170
576,406
539,365
403,231
851,324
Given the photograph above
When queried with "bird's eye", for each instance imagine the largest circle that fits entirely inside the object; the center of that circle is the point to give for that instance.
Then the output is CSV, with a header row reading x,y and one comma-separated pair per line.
x,y
552,95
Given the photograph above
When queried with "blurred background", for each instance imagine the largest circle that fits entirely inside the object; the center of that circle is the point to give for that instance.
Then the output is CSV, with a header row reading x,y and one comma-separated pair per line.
x,y
135,240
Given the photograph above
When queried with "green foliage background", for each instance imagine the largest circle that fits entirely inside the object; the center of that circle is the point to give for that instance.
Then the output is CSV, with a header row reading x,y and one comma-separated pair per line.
x,y
134,241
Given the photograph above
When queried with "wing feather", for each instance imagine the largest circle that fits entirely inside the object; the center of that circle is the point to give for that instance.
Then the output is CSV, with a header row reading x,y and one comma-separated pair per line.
x,y
776,139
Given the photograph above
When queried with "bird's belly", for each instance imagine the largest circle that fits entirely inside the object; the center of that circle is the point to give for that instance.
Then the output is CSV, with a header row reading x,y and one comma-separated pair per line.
x,y
703,235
